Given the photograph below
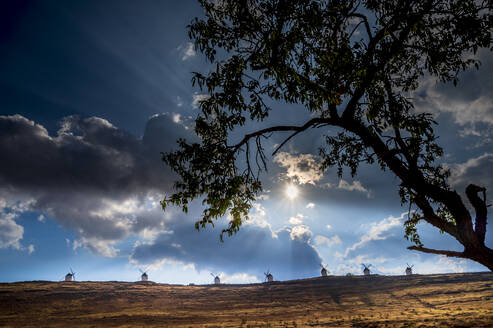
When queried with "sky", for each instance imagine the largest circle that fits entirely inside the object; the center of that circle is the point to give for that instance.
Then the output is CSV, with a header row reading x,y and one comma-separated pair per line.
x,y
91,92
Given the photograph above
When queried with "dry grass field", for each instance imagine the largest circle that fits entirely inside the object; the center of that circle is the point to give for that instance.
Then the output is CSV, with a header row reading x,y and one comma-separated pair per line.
x,y
450,300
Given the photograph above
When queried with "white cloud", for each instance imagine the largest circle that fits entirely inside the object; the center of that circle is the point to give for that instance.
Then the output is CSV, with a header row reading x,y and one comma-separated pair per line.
x,y
356,185
238,278
475,170
10,232
30,249
310,205
344,185
101,247
187,51
257,217
177,118
41,218
377,231
322,240
328,226
197,98
263,197
301,233
298,219
303,168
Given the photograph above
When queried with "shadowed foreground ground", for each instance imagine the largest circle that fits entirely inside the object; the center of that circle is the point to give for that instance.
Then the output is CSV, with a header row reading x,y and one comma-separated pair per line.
x,y
452,300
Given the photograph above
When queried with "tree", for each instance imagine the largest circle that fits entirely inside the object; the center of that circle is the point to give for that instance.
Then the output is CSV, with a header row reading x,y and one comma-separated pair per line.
x,y
351,64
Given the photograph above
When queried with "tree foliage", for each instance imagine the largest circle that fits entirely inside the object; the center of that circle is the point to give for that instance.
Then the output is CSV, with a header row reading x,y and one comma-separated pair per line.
x,y
351,65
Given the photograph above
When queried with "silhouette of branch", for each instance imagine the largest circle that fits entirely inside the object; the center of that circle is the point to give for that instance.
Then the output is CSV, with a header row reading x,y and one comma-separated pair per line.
x,y
437,251
480,208
365,21
283,128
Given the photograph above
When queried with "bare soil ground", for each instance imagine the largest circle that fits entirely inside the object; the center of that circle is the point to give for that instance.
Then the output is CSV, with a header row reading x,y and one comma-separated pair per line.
x,y
450,300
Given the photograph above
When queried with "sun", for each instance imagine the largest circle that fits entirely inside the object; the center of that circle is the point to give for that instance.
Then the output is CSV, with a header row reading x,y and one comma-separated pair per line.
x,y
291,191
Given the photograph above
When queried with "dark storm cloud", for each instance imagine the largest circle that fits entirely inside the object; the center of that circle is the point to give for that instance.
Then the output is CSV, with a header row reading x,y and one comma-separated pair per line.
x,y
470,103
113,59
91,176
252,250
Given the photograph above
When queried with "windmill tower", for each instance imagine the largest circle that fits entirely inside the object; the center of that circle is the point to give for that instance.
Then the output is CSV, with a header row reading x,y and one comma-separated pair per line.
x,y
144,276
268,276
409,269
70,276
217,281
366,270
324,271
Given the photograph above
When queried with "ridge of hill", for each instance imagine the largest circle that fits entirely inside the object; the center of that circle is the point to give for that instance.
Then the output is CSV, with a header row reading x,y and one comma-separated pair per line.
x,y
442,300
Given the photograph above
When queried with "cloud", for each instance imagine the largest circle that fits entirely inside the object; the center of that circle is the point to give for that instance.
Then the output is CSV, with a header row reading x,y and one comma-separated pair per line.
x,y
301,233
91,176
197,98
10,232
258,217
310,205
477,170
30,249
303,168
238,278
187,51
344,185
469,103
298,219
377,231
251,251
356,185
322,240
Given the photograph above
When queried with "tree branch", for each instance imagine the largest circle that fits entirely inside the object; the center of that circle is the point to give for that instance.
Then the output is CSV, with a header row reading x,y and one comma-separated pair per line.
x,y
281,128
365,21
437,251
433,219
480,208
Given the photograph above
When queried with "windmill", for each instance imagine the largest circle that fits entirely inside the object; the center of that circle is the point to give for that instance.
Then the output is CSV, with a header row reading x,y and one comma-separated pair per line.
x,y
366,270
268,276
70,276
144,276
324,271
217,281
409,269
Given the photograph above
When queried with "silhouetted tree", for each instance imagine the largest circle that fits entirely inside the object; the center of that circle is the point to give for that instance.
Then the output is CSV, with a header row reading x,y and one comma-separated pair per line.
x,y
350,64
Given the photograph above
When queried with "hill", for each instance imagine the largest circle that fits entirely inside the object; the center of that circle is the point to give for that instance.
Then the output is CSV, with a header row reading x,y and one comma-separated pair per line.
x,y
447,300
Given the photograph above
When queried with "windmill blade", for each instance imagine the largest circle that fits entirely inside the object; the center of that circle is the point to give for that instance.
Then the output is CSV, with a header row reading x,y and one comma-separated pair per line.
x,y
141,271
212,274
71,271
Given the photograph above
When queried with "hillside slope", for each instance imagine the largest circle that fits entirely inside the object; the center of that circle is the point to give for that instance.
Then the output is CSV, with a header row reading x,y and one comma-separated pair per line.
x,y
377,301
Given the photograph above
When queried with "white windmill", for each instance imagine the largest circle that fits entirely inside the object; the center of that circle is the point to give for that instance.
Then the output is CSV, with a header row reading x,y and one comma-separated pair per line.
x,y
70,276
217,281
366,270
268,276
324,271
409,269
144,276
